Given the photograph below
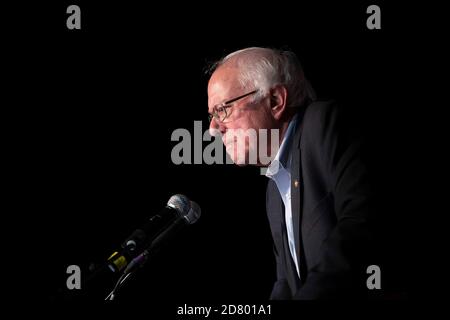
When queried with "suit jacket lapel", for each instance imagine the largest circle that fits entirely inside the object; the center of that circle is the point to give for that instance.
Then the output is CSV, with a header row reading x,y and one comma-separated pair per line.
x,y
297,193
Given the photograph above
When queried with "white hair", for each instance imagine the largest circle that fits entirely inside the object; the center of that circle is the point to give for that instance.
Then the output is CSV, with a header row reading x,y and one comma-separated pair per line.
x,y
264,68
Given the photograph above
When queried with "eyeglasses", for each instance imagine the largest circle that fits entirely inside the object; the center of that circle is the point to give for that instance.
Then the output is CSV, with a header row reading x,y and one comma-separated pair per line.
x,y
220,111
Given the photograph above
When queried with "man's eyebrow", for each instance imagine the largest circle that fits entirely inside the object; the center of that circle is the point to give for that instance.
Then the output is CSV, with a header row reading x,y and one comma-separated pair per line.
x,y
223,103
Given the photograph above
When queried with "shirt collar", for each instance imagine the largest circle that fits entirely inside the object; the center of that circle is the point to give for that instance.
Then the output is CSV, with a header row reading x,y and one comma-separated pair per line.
x,y
282,158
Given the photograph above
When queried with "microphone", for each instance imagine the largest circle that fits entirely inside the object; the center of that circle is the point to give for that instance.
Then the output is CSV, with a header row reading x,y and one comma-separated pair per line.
x,y
155,245
188,213
178,213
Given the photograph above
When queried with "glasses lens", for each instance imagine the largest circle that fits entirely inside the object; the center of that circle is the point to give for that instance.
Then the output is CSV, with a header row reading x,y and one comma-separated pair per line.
x,y
221,113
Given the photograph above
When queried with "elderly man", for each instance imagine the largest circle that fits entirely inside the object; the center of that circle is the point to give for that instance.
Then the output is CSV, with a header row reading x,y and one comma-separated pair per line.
x,y
318,196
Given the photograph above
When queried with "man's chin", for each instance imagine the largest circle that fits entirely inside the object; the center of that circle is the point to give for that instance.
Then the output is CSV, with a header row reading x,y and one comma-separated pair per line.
x,y
242,161
239,161
240,158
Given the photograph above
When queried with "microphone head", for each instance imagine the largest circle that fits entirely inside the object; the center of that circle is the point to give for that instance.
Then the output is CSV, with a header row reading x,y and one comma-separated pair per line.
x,y
180,203
187,209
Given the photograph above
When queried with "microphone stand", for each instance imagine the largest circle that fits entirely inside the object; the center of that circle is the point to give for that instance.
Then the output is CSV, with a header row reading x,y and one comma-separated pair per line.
x,y
128,272
119,283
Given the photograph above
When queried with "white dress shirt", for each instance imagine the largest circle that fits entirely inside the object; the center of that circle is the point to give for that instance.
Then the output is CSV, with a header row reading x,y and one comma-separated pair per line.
x,y
280,172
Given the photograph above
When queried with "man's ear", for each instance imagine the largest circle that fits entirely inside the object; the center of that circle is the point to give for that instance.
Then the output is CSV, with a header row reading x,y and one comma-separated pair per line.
x,y
278,96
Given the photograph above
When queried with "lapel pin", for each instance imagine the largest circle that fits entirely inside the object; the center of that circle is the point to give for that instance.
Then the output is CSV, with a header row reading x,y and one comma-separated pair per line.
x,y
296,183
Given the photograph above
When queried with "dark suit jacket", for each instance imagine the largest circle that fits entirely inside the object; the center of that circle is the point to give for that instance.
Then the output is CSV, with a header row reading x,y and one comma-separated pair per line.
x,y
331,209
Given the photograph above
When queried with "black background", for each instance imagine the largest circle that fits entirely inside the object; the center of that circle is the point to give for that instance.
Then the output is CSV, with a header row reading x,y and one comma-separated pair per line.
x,y
94,110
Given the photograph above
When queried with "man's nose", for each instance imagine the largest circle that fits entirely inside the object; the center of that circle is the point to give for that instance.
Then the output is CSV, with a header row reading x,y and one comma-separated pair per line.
x,y
215,127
